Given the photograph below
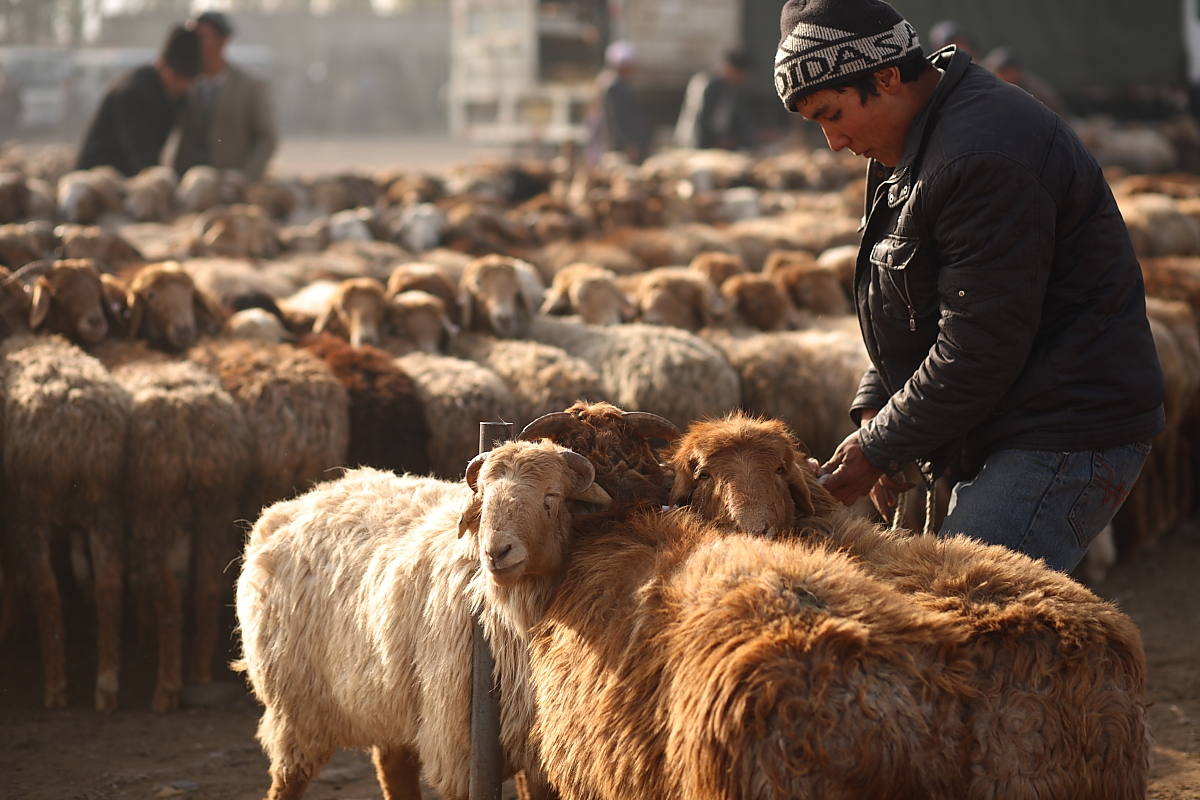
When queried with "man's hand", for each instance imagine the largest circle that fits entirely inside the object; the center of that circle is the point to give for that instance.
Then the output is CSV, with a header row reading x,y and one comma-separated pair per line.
x,y
851,474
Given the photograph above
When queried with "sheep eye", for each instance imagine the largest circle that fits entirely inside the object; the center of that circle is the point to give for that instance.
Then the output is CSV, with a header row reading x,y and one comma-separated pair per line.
x,y
702,475
781,469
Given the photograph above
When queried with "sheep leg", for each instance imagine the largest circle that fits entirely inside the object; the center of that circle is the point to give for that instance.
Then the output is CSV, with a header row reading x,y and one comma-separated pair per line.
x,y
48,609
169,606
211,551
399,772
285,786
106,566
9,601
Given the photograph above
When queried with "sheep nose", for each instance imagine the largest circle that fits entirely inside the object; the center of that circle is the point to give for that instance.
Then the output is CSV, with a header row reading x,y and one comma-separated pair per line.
x,y
183,335
494,557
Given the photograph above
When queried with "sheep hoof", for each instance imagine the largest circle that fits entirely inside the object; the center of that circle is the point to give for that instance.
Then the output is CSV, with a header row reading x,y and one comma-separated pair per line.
x,y
56,697
166,700
105,700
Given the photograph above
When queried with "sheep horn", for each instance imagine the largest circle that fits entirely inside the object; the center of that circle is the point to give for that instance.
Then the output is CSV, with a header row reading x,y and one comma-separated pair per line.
x,y
585,469
649,425
547,426
33,268
473,468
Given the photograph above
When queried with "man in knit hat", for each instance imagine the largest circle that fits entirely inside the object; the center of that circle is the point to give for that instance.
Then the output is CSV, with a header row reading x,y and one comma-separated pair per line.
x,y
997,290
136,114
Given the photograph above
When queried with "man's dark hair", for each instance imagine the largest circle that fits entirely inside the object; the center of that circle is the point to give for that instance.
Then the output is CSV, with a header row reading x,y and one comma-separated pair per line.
x,y
912,66
181,51
738,59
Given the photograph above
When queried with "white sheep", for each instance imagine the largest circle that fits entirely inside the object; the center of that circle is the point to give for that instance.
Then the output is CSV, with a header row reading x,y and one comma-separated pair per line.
x,y
663,370
355,605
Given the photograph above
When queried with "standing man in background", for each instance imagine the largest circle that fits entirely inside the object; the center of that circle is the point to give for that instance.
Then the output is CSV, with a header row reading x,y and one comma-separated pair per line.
x,y
227,122
615,121
998,293
139,108
716,109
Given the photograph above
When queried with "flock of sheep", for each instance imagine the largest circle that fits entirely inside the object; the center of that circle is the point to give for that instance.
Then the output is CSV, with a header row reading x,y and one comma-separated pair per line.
x,y
179,356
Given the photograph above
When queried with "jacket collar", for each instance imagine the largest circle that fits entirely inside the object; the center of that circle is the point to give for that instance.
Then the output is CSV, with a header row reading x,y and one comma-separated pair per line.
x,y
953,63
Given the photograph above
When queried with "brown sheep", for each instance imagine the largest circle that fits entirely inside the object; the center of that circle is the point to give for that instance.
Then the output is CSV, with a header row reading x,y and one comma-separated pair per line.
x,y
168,310
84,195
387,418
1041,645
806,283
64,431
14,306
757,301
617,443
297,411
431,278
676,662
679,297
150,195
92,241
69,299
234,231
187,459
500,296
387,666
590,292
718,267
356,312
417,321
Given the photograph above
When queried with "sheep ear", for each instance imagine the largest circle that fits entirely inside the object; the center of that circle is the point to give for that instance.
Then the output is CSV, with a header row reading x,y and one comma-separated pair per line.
x,y
682,488
798,478
209,312
556,303
596,496
466,308
137,310
324,321
42,300
449,335
469,520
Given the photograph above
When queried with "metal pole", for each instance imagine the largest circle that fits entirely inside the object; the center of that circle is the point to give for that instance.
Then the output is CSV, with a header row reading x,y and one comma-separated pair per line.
x,y
487,757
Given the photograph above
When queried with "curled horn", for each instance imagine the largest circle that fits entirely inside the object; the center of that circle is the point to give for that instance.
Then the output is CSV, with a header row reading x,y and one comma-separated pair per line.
x,y
473,468
581,467
34,269
548,426
649,425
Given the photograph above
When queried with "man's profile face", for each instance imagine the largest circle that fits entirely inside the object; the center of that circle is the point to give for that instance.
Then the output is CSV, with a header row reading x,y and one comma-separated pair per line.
x,y
875,129
211,44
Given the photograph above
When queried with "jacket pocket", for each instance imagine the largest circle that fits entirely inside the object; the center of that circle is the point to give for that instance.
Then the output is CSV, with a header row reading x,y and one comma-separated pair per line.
x,y
907,280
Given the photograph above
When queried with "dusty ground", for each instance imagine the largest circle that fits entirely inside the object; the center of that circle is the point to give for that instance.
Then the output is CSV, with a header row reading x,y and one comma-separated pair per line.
x,y
210,752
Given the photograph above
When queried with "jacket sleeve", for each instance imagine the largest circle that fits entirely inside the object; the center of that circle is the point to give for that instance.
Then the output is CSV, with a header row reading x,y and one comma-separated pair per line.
x,y
138,137
992,224
263,136
871,394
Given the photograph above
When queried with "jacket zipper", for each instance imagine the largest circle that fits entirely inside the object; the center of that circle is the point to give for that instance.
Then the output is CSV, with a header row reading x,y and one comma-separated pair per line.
x,y
912,313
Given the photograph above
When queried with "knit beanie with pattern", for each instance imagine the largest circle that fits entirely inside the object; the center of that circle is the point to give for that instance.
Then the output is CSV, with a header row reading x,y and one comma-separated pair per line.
x,y
826,41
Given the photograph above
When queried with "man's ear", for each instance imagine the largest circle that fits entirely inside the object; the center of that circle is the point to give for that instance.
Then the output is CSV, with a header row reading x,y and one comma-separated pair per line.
x,y
888,80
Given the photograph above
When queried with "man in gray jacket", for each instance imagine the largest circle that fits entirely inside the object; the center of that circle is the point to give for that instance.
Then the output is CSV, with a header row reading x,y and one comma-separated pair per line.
x,y
228,122
997,290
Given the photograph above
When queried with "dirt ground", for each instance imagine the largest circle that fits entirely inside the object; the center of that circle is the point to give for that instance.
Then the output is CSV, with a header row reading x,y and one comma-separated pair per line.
x,y
208,749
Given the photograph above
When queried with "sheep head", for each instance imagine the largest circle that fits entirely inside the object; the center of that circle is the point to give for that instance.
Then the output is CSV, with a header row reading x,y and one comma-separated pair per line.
x,y
420,320
591,292
492,300
167,309
758,300
525,496
678,297
14,305
419,276
355,312
746,474
618,445
68,298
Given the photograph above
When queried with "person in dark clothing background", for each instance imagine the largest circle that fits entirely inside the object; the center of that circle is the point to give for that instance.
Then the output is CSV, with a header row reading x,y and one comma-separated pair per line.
x,y
138,110
716,111
615,120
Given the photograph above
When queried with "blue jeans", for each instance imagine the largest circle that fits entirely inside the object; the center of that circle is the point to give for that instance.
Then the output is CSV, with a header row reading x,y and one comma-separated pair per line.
x,y
1046,505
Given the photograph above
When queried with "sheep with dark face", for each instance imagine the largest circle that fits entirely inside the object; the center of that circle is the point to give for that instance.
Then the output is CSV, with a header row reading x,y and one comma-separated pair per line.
x,y
387,666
